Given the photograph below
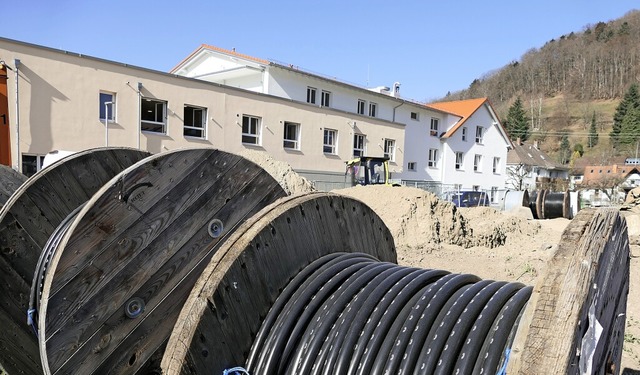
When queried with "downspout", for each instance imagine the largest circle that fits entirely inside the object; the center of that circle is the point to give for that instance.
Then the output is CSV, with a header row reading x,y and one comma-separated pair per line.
x,y
18,167
394,111
139,130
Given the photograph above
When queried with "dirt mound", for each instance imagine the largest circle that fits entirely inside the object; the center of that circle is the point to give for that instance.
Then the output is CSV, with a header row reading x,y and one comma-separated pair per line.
x,y
414,217
492,228
290,181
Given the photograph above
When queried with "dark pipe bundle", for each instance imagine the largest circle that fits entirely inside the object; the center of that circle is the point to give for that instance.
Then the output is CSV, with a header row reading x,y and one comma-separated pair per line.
x,y
545,204
350,313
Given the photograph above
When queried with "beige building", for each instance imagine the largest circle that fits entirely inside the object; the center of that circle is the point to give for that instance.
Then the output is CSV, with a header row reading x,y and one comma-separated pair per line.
x,y
59,100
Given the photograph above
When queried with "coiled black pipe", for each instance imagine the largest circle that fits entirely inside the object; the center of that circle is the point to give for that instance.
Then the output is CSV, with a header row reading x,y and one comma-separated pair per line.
x,y
554,205
351,314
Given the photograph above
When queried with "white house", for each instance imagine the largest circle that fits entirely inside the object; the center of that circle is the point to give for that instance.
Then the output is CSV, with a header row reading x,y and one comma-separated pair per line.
x,y
529,168
471,148
433,133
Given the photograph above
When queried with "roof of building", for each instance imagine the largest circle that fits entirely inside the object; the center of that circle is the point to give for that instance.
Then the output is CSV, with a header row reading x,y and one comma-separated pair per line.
x,y
461,108
231,52
594,174
530,155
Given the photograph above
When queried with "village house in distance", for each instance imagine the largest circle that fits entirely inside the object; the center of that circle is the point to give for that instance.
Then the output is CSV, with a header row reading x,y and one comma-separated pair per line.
x,y
59,100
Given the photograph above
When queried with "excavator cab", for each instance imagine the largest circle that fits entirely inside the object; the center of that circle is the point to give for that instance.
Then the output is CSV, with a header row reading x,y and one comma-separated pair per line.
x,y
369,170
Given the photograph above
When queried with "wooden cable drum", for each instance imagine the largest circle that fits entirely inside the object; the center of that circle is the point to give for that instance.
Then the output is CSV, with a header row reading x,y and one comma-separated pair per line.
x,y
10,181
575,321
281,297
128,260
27,219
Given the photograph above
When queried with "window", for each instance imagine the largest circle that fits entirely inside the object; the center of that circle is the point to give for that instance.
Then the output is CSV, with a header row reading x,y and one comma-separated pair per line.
x,y
411,166
372,109
250,130
153,116
31,164
330,141
434,127
311,95
496,165
479,131
358,144
459,160
494,194
433,158
107,106
361,105
291,135
326,99
464,133
390,149
477,163
415,116
195,120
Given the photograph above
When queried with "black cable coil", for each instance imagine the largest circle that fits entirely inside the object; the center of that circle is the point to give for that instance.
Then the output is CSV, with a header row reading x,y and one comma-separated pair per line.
x,y
352,314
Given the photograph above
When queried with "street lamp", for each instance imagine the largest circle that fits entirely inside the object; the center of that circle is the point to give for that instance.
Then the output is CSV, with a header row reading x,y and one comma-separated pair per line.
x,y
106,123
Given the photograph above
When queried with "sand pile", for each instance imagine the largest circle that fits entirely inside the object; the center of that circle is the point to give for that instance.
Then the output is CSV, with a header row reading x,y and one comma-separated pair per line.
x,y
290,181
492,228
414,217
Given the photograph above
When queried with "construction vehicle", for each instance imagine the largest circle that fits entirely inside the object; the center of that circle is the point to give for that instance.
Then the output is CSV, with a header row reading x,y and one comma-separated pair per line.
x,y
369,170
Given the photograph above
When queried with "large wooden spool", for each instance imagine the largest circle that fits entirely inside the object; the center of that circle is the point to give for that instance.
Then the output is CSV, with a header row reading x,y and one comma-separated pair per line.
x,y
10,181
585,286
234,293
128,261
27,220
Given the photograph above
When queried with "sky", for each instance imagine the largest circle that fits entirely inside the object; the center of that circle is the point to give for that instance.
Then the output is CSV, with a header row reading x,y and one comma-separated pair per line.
x,y
430,47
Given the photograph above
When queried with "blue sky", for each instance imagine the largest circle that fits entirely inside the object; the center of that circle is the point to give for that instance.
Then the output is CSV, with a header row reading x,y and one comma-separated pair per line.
x,y
429,47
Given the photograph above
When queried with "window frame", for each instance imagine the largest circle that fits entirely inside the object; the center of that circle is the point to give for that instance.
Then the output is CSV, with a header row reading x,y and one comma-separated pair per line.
x,y
312,94
390,149
325,99
373,109
330,148
296,140
433,130
112,107
459,161
39,159
464,133
415,116
477,163
363,149
479,134
153,124
496,165
412,164
362,104
203,118
433,158
493,194
258,134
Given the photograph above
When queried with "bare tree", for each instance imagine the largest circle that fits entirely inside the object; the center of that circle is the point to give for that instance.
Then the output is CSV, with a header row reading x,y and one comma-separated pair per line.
x,y
516,175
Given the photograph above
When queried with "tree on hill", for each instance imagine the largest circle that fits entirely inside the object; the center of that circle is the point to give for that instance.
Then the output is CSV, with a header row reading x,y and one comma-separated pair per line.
x,y
593,132
565,149
517,123
626,118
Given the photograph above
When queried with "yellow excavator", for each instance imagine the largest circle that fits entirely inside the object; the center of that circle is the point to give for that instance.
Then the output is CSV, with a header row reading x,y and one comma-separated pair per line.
x,y
369,170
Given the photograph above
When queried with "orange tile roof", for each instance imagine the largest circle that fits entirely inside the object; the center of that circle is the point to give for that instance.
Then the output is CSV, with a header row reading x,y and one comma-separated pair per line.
x,y
218,49
599,173
461,108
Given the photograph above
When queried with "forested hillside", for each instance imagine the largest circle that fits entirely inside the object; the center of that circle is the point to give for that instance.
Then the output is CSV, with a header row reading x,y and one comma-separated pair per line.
x,y
569,81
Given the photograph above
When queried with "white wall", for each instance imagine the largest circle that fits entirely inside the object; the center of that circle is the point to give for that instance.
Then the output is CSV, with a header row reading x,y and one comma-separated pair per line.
x,y
493,145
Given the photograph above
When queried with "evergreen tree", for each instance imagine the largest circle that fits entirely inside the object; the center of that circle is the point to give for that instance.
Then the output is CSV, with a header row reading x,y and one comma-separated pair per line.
x,y
630,127
565,149
630,102
593,132
517,124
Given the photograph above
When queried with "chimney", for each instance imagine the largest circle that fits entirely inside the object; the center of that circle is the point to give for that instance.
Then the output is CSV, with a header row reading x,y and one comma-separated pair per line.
x,y
519,141
535,144
396,90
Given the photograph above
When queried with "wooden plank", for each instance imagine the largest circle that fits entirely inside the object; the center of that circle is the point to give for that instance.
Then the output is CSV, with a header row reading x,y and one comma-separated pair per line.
x,y
32,213
10,181
590,270
152,245
227,304
18,350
